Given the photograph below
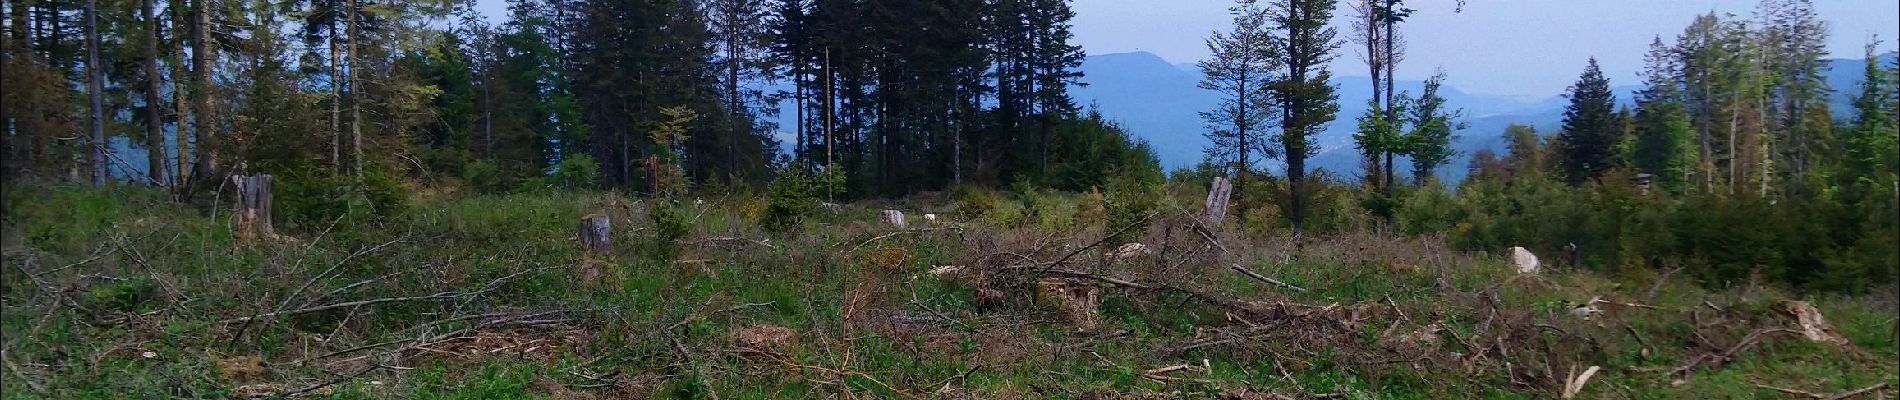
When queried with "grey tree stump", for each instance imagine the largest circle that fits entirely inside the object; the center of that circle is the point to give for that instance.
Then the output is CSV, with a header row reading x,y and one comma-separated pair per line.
x,y
1216,204
595,233
253,207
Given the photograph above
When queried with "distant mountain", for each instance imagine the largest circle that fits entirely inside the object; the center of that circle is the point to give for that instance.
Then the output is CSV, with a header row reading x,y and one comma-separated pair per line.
x,y
1160,102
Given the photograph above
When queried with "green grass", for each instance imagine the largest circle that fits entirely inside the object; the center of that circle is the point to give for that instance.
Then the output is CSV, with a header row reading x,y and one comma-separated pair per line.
x,y
168,279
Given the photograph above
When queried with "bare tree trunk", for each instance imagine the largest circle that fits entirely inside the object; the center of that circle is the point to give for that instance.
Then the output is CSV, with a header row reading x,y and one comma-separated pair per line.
x,y
180,136
336,99
95,88
154,121
356,99
203,121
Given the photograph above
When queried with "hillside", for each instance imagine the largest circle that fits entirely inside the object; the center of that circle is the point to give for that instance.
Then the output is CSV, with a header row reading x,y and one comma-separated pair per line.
x,y
119,294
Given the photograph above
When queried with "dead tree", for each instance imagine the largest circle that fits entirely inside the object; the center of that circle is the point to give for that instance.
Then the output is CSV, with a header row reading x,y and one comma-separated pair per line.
x,y
253,207
595,234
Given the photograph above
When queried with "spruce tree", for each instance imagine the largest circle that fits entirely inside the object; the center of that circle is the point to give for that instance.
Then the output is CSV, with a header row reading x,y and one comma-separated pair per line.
x,y
1429,142
1305,93
1663,134
1590,130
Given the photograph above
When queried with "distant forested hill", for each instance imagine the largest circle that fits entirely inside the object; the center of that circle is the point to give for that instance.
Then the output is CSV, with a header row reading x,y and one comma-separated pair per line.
x,y
1159,101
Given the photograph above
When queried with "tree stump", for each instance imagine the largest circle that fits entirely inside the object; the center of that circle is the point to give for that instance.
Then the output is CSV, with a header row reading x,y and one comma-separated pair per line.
x,y
1216,204
1074,299
253,207
893,217
595,234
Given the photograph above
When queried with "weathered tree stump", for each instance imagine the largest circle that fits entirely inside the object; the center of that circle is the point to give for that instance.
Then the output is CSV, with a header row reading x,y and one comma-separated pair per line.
x,y
893,217
253,207
595,233
1074,299
1216,204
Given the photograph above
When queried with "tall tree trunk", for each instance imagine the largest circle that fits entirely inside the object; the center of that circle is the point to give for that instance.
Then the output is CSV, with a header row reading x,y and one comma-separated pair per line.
x,y
830,104
356,98
203,119
1390,60
336,99
95,88
180,136
154,122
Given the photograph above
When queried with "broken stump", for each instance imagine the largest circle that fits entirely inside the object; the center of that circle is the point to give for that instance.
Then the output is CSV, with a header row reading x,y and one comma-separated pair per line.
x,y
253,207
1076,300
893,217
1216,204
595,233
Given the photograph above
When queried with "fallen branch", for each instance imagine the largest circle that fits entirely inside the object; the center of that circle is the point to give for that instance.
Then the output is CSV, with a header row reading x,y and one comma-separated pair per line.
x,y
1263,278
492,285
331,382
1576,383
1857,392
712,239
1098,242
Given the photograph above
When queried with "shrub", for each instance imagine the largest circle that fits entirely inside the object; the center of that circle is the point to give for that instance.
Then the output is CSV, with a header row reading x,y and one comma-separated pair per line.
x,y
484,177
1128,204
670,224
973,203
575,172
792,200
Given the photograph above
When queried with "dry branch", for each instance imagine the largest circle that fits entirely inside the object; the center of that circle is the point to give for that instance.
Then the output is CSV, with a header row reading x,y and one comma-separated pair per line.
x,y
1263,278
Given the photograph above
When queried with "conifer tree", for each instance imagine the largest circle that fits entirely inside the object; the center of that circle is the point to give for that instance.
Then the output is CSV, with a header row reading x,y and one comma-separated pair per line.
x,y
1305,94
1590,130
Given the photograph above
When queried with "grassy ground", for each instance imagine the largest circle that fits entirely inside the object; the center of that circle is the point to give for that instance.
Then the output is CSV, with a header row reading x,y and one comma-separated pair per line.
x,y
121,294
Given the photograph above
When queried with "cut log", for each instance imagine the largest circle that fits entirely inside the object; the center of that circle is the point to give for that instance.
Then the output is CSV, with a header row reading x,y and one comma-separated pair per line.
x,y
253,207
595,233
1216,204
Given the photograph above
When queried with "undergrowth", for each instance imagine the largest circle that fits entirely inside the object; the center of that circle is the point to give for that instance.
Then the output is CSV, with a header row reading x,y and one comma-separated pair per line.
x,y
119,293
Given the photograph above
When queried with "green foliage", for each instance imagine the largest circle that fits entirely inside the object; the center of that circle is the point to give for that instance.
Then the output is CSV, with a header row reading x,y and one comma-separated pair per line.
x,y
483,176
1130,203
575,173
1591,131
793,200
127,295
670,224
314,200
1428,144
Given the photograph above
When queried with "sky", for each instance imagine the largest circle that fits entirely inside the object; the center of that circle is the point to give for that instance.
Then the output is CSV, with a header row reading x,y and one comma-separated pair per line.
x,y
1528,48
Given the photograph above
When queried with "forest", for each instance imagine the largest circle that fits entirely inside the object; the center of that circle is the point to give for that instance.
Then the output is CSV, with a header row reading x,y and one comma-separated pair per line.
x,y
426,165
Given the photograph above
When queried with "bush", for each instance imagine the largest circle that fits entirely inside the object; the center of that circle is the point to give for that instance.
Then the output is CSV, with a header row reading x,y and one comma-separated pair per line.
x,y
670,224
1128,203
973,203
485,177
305,200
793,199
575,172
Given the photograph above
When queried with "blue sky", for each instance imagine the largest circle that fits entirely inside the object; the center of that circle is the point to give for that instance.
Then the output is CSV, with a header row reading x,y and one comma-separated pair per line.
x,y
1530,48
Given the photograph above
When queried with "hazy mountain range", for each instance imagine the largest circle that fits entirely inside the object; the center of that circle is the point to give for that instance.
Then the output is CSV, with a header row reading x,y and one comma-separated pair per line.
x,y
1160,102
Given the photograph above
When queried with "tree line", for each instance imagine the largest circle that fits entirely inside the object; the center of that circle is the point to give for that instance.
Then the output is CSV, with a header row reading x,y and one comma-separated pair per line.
x,y
897,96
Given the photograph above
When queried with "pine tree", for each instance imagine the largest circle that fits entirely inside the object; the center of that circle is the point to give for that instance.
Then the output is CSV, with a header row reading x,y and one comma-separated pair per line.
x,y
1242,69
1662,143
1590,131
1429,141
1305,93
